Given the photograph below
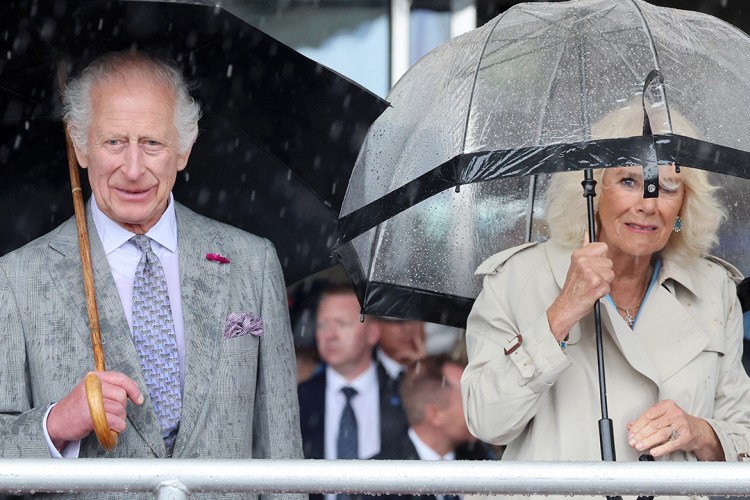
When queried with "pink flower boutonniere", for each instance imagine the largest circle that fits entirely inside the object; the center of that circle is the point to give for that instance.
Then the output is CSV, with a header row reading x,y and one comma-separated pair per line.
x,y
217,258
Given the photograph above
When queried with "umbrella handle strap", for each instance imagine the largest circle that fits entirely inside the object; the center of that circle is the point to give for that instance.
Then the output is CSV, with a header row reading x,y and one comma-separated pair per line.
x,y
106,437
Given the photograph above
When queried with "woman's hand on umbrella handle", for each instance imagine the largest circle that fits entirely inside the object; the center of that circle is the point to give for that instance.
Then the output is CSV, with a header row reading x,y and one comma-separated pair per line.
x,y
72,418
665,428
589,277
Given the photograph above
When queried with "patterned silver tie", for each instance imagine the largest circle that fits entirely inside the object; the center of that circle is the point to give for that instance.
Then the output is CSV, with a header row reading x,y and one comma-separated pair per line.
x,y
155,339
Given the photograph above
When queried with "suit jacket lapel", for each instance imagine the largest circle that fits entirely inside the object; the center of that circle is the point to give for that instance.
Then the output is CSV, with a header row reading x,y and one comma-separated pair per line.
x,y
119,352
204,289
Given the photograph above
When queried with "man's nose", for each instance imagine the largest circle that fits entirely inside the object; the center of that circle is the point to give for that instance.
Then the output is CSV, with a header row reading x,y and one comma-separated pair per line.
x,y
132,161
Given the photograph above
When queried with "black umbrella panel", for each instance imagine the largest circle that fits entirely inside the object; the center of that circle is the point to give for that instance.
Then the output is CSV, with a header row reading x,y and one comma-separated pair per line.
x,y
278,139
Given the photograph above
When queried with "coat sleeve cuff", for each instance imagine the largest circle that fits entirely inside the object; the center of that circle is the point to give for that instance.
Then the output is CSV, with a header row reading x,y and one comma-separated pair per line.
x,y
539,357
735,444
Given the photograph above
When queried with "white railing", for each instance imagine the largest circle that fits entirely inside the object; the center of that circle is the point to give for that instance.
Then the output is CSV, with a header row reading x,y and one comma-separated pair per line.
x,y
176,479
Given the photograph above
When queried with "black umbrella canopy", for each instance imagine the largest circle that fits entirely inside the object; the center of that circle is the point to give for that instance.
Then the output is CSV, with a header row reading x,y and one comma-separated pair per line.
x,y
543,88
277,143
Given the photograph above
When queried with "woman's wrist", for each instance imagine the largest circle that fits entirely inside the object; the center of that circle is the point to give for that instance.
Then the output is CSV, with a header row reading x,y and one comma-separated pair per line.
x,y
559,327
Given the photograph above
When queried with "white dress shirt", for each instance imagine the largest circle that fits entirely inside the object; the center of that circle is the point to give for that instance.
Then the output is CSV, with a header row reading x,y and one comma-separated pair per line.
x,y
427,453
392,367
123,257
366,406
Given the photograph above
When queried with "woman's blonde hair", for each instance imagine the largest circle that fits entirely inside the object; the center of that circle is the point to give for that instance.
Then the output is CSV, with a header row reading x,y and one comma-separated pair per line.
x,y
701,213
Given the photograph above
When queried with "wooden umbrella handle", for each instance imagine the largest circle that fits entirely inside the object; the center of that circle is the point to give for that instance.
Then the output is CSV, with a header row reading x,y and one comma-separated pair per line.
x,y
92,383
106,437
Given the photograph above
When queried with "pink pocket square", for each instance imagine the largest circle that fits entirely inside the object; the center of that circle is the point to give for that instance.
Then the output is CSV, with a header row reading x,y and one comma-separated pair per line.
x,y
240,324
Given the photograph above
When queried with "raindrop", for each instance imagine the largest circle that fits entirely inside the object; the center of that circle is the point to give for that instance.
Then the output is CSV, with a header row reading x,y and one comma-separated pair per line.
x,y
26,125
289,175
252,195
7,55
282,212
100,25
229,71
17,142
187,176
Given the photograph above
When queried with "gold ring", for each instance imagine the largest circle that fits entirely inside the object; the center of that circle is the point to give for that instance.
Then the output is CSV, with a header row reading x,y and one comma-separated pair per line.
x,y
675,434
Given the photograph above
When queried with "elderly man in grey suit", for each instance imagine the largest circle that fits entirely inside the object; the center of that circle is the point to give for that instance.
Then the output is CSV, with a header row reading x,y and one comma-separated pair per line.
x,y
193,312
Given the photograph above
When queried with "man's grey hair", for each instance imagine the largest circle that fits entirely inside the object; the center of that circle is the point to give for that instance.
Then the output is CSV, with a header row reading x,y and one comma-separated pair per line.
x,y
129,66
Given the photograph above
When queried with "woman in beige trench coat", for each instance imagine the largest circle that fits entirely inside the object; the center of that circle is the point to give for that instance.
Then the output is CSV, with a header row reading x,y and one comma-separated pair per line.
x,y
672,329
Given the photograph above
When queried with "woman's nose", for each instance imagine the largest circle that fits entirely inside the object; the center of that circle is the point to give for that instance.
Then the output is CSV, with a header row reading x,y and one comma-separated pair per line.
x,y
646,205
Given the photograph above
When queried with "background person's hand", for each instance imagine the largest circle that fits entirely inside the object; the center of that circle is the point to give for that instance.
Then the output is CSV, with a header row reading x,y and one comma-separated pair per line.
x,y
70,419
589,278
416,349
665,428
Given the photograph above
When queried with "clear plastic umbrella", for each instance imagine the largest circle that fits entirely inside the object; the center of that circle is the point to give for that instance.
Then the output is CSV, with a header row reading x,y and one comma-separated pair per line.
x,y
452,172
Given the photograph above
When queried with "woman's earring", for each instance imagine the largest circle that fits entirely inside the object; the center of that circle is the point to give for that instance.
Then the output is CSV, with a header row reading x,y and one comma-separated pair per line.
x,y
678,224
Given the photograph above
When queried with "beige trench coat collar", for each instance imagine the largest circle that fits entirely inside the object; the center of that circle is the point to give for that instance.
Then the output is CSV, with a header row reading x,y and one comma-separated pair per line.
x,y
679,339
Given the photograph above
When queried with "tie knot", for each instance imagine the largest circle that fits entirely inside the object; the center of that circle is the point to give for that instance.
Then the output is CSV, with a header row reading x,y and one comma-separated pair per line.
x,y
349,393
143,242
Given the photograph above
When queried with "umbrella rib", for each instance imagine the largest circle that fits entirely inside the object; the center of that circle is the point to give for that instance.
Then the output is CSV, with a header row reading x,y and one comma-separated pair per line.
x,y
476,73
647,30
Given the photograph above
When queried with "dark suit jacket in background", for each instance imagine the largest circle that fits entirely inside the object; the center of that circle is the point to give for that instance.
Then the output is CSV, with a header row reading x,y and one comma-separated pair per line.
x,y
312,403
403,449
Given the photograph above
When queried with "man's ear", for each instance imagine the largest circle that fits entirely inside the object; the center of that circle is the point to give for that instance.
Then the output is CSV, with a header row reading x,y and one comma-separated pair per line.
x,y
433,414
182,159
80,157
373,331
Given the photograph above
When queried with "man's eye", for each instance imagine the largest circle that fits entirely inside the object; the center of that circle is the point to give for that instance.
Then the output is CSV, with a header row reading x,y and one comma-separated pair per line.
x,y
151,145
113,142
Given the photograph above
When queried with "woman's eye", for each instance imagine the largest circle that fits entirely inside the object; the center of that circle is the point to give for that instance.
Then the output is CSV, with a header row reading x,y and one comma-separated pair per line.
x,y
628,181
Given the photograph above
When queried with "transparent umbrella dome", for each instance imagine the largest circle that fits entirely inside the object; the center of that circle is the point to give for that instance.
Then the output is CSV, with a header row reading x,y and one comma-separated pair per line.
x,y
543,88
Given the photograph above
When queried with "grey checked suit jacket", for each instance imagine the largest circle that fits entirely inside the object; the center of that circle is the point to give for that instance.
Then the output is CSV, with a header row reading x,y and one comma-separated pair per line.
x,y
239,399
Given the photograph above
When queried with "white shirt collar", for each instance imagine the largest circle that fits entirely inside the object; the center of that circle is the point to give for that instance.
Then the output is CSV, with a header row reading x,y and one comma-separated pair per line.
x,y
335,382
425,452
113,235
392,367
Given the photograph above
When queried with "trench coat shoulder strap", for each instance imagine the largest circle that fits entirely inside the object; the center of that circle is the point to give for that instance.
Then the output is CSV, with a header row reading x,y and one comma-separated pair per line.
x,y
732,271
491,265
